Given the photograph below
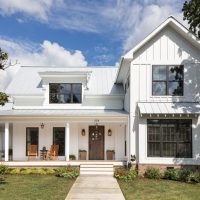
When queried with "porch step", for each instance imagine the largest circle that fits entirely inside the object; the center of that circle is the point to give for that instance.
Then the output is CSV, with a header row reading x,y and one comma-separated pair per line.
x,y
106,169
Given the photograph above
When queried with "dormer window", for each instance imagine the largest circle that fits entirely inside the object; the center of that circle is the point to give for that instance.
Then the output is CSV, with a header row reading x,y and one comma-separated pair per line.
x,y
167,80
65,93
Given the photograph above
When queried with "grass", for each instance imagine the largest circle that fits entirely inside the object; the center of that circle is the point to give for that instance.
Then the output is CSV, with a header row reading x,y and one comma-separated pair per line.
x,y
34,187
146,189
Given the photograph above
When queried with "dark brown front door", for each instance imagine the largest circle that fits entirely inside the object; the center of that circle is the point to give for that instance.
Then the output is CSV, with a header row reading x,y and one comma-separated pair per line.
x,y
96,142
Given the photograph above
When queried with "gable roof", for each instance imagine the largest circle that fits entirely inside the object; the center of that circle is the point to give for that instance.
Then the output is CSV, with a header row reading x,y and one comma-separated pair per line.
x,y
171,21
28,81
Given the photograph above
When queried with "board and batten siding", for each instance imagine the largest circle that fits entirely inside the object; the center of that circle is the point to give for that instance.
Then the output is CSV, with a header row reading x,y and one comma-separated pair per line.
x,y
166,48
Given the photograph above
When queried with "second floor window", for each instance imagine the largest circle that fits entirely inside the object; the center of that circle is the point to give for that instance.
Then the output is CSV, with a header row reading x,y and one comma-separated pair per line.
x,y
65,93
167,80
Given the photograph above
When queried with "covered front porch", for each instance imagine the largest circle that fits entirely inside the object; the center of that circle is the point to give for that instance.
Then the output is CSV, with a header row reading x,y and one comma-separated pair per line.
x,y
94,134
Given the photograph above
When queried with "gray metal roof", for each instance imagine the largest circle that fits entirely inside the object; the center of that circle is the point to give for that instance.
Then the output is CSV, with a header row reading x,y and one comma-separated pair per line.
x,y
28,81
169,108
62,112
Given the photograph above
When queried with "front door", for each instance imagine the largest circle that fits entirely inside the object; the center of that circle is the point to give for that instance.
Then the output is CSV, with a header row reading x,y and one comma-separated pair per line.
x,y
96,142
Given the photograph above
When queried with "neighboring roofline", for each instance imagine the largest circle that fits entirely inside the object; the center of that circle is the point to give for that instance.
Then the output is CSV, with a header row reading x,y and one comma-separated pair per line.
x,y
171,19
76,67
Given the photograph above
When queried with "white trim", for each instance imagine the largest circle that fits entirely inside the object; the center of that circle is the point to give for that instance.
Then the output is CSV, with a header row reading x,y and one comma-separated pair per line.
x,y
6,141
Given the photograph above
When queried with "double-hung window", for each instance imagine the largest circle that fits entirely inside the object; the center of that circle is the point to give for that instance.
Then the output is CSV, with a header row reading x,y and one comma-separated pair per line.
x,y
65,93
167,80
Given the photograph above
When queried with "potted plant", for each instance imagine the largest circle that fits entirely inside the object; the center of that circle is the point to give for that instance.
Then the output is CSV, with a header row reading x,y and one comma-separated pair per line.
x,y
72,157
110,154
82,154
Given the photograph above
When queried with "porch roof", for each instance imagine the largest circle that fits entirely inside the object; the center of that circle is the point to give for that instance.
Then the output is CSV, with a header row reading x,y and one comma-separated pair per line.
x,y
62,113
169,108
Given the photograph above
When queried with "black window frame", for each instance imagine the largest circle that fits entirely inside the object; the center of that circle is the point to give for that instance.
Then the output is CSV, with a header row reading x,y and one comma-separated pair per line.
x,y
177,141
27,138
167,81
59,151
71,93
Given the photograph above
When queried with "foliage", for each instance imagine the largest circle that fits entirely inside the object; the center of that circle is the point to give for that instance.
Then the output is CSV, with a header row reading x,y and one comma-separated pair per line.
x,y
172,174
24,171
3,169
3,98
3,59
153,173
72,157
82,150
68,172
186,175
191,12
125,174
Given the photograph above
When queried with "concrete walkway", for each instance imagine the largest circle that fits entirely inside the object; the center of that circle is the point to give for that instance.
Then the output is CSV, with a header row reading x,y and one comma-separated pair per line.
x,y
95,187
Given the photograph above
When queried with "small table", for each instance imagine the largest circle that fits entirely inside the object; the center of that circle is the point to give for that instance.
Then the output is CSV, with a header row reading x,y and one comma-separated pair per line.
x,y
43,154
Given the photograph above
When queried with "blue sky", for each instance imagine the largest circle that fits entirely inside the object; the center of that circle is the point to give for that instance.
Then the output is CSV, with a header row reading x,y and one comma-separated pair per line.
x,y
78,32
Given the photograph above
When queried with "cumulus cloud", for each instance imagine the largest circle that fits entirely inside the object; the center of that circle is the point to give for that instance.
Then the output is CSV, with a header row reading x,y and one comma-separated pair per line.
x,y
45,54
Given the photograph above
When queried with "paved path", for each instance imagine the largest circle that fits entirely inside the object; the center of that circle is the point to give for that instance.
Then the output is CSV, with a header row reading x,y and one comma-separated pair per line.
x,y
100,187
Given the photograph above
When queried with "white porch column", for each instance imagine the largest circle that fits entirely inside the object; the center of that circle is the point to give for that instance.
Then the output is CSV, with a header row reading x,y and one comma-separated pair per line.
x,y
6,141
128,142
67,142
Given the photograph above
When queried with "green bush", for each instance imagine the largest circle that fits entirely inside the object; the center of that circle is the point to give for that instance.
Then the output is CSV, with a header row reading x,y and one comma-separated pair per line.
x,y
72,157
186,175
195,177
172,174
24,171
125,174
68,172
3,169
153,173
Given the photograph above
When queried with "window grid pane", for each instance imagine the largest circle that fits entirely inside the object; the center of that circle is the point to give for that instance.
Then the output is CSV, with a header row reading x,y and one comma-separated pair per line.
x,y
65,93
167,80
169,138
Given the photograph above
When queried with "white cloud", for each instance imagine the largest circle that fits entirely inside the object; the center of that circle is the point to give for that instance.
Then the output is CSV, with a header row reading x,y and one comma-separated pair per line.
x,y
45,54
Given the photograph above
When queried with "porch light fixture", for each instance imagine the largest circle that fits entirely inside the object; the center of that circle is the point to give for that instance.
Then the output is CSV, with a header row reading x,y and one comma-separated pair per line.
x,y
42,125
109,132
83,132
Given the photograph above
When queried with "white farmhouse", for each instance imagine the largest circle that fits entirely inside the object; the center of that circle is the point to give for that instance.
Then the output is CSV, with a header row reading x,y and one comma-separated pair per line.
x,y
146,109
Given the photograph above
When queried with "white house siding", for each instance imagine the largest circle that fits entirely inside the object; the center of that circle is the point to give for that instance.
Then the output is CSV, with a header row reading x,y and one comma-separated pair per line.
x,y
77,141
142,140
166,48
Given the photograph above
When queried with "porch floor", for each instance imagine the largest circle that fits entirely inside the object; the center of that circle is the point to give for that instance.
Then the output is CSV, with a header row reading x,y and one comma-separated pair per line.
x,y
60,163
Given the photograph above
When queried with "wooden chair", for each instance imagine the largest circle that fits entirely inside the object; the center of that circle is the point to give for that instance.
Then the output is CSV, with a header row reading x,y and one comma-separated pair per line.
x,y
53,152
32,151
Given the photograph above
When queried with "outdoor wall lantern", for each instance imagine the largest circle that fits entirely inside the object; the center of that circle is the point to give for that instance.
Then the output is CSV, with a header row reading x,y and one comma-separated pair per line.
x,y
83,132
42,125
109,132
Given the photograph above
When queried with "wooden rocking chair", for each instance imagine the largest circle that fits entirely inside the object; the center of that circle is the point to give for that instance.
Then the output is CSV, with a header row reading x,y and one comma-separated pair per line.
x,y
32,151
53,152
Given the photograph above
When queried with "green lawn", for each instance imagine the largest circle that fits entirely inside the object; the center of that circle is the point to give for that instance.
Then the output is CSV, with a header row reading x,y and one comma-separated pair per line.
x,y
34,187
146,189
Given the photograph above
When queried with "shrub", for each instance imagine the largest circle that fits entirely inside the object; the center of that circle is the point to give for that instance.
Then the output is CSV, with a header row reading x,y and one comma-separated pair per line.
x,y
3,169
172,174
24,171
125,174
195,177
186,175
153,173
68,172
72,157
